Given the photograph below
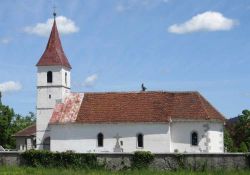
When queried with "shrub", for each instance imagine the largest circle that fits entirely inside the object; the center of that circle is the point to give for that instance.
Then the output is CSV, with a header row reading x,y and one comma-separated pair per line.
x,y
142,159
36,158
243,147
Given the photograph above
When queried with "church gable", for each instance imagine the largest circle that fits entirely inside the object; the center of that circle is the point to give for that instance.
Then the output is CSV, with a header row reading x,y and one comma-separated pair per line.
x,y
129,107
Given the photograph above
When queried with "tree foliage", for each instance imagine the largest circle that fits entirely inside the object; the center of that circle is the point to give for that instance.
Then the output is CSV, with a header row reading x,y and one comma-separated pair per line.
x,y
10,123
6,115
228,141
38,158
237,135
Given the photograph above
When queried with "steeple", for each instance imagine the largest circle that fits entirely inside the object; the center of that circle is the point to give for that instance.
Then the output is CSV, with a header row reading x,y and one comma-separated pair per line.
x,y
54,54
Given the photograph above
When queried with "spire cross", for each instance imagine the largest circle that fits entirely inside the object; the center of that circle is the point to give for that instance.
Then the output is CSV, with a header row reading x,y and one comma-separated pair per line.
x,y
54,12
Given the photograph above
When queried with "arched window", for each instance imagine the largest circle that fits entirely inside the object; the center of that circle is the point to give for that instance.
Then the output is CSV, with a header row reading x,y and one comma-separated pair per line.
x,y
49,77
140,140
46,143
194,138
66,78
100,140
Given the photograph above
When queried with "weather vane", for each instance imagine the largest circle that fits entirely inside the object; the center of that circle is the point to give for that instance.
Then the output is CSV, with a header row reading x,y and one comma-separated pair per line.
x,y
143,88
54,11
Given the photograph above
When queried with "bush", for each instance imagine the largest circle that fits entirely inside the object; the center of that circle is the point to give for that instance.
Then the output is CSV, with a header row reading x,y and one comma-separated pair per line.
x,y
36,158
243,147
142,159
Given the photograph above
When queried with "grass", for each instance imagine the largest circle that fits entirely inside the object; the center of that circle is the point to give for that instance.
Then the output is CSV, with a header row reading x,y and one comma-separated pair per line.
x,y
52,171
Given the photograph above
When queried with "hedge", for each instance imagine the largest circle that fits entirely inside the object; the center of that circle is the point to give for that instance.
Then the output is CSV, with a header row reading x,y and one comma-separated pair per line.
x,y
40,158
36,158
142,159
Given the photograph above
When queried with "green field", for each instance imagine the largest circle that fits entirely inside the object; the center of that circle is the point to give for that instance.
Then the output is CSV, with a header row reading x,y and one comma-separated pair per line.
x,y
48,171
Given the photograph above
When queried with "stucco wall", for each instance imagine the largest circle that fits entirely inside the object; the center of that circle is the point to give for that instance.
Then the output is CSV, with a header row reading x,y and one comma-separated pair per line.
x,y
83,138
58,76
48,94
210,136
158,138
24,143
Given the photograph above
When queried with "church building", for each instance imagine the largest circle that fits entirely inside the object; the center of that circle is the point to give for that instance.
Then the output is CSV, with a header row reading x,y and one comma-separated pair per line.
x,y
107,122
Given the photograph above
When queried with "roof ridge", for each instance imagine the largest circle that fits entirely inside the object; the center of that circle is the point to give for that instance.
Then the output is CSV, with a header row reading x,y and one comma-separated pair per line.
x,y
139,92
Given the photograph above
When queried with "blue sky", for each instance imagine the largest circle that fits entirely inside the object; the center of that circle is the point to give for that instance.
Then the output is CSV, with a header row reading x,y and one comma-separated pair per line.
x,y
115,45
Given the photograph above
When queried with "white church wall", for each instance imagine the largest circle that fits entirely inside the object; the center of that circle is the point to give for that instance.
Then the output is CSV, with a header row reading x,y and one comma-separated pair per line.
x,y
42,129
58,76
43,117
216,138
47,97
83,137
48,94
65,74
210,136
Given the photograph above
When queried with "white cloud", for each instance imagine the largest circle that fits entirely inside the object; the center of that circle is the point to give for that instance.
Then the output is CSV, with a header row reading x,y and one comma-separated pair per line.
x,y
10,86
64,25
5,40
90,80
207,21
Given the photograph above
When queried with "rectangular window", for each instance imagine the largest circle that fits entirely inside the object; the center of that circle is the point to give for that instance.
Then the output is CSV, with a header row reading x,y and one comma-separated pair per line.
x,y
140,141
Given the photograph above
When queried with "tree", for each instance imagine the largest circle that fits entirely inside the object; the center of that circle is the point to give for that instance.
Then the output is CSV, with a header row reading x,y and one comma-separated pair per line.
x,y
228,141
237,133
239,130
6,116
242,129
10,123
243,147
18,123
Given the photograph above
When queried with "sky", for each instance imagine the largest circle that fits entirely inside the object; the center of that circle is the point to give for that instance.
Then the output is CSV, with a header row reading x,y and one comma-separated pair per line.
x,y
115,45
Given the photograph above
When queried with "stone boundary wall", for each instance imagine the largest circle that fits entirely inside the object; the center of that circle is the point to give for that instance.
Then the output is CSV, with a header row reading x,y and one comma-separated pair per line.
x,y
171,161
10,158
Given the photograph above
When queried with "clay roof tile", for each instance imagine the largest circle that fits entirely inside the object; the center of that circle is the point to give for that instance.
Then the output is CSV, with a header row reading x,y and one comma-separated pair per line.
x,y
54,54
130,107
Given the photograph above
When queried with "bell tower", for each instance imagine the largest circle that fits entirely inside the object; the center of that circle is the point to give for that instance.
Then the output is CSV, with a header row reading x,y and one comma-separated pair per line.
x,y
53,85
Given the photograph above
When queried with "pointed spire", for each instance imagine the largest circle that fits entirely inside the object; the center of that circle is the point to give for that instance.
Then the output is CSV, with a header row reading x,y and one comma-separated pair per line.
x,y
54,54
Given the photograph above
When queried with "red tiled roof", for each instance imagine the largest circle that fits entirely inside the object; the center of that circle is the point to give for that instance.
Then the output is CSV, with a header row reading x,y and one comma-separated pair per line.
x,y
144,107
54,54
29,131
67,112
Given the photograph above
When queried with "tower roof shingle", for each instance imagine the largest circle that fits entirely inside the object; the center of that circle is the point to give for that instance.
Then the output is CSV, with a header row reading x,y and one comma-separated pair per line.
x,y
54,54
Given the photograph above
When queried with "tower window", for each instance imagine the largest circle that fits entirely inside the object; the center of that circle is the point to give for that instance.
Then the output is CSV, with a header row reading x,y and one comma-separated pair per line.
x,y
49,96
140,141
49,77
100,140
66,78
194,139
